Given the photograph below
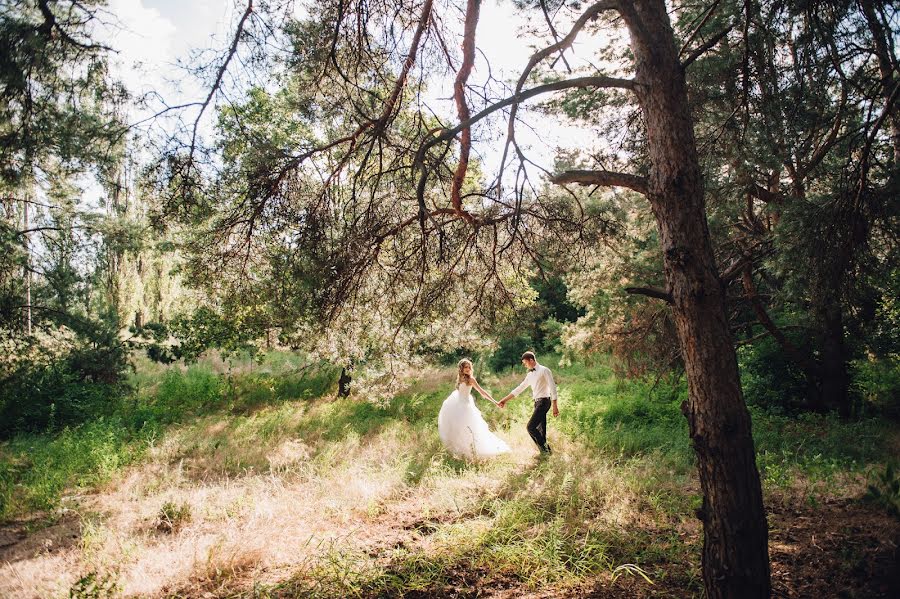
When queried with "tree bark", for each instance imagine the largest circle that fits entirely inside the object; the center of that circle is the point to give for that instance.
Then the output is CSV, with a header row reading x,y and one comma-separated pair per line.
x,y
344,383
25,242
834,377
735,545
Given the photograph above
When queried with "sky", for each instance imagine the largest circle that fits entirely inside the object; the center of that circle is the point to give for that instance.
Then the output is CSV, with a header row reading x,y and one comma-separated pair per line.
x,y
154,34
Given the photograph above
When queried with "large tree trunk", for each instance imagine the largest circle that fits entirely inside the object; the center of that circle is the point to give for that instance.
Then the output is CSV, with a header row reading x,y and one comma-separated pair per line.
x,y
735,550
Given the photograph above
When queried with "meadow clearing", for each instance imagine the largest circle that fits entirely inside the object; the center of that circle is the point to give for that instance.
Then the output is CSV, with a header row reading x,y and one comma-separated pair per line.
x,y
257,481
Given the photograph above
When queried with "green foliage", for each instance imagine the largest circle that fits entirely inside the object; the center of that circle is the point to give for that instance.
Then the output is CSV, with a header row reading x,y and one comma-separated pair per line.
x,y
628,417
769,379
172,516
538,328
183,392
84,381
509,352
884,489
877,383
818,446
35,470
95,585
57,100
203,329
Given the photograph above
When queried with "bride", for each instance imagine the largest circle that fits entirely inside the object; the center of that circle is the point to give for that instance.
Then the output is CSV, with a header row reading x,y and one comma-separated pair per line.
x,y
460,424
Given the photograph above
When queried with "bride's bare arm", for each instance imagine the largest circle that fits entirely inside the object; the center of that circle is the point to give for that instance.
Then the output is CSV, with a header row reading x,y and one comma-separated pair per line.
x,y
481,391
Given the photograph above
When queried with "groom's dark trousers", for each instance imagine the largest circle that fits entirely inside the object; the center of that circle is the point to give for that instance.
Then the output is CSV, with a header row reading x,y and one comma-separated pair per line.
x,y
537,426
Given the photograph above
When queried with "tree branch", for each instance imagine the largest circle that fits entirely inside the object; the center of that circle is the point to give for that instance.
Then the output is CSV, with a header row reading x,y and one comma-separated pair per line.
x,y
450,133
703,20
605,178
706,46
762,316
459,95
50,23
654,292
591,13
221,73
764,195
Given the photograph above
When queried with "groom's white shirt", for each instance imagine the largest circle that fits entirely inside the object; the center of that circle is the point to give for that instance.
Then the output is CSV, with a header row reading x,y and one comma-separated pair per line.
x,y
541,382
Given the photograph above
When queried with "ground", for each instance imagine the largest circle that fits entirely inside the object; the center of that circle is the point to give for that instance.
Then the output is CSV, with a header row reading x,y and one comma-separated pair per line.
x,y
339,497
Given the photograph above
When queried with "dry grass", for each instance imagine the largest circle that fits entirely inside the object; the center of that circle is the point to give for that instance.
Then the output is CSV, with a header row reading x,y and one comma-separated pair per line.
x,y
267,523
328,498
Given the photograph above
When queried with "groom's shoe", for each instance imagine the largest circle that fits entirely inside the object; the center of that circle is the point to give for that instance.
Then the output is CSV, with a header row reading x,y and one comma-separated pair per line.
x,y
546,449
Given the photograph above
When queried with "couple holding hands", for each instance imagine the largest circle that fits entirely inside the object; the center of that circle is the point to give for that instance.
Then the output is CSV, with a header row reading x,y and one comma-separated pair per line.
x,y
464,431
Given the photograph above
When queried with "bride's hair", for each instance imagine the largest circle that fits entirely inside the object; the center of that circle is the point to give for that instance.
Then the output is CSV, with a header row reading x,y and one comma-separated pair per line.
x,y
461,377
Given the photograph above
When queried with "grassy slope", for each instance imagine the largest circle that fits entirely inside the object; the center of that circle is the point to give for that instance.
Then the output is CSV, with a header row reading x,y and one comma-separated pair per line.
x,y
211,484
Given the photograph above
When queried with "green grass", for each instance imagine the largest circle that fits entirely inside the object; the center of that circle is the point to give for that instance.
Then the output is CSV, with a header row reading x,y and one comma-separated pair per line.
x,y
36,471
620,491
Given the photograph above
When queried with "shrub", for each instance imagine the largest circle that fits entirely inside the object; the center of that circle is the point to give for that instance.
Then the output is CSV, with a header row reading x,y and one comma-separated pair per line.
x,y
877,384
884,489
509,352
769,379
47,398
172,516
61,379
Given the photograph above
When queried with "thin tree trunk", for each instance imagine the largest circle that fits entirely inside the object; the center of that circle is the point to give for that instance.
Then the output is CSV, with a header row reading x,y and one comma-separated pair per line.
x,y
835,380
344,383
27,270
735,544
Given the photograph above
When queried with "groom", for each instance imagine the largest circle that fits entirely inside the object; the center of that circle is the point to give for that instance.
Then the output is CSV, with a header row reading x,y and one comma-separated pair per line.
x,y
543,389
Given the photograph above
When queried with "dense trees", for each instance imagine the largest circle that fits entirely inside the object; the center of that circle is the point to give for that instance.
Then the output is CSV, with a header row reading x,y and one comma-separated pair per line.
x,y
66,259
742,188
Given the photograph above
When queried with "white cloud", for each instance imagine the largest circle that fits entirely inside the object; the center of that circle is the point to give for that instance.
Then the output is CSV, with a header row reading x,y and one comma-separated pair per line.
x,y
143,39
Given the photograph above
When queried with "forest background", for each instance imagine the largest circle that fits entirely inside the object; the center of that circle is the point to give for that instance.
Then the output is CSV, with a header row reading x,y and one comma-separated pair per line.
x,y
316,228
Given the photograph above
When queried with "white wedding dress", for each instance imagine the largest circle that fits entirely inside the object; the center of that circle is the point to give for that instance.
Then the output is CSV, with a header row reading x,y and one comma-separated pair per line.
x,y
463,429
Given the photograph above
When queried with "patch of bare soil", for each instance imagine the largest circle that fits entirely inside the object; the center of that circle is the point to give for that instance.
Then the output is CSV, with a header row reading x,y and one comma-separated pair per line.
x,y
25,539
844,548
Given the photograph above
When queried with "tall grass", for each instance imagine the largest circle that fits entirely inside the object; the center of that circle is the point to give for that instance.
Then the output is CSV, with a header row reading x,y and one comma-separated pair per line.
x,y
37,470
265,454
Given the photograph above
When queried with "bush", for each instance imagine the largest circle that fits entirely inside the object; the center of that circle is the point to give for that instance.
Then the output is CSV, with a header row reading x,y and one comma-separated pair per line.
x,y
769,379
884,490
50,381
509,352
47,398
877,384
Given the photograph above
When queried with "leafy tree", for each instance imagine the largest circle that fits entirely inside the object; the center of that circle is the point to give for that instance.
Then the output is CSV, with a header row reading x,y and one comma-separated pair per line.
x,y
58,125
387,222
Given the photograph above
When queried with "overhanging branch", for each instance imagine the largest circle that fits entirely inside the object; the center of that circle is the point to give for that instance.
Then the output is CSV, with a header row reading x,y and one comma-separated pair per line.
x,y
654,292
448,134
590,14
221,72
606,178
705,47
